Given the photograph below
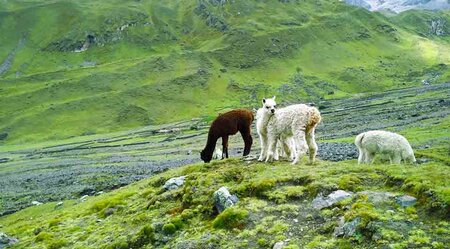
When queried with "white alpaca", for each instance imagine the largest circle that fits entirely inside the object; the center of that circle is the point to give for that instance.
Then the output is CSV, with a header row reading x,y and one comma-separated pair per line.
x,y
296,121
288,148
388,144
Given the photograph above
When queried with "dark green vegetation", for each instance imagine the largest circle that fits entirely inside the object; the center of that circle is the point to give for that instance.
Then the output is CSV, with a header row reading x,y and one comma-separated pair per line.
x,y
72,68
275,204
72,72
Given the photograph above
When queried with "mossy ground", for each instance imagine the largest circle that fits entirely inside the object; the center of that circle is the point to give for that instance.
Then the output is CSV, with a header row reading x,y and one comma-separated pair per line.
x,y
274,205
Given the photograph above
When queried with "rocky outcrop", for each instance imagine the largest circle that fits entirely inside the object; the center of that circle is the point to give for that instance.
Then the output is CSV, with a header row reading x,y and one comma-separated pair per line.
x,y
400,5
9,59
204,9
174,183
437,27
321,202
346,229
112,31
223,199
406,200
6,241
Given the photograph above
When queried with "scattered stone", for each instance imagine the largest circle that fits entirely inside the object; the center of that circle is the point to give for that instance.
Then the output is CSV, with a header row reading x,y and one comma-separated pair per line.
x,y
174,183
339,230
321,202
378,197
189,152
406,200
346,229
84,197
295,220
109,211
88,64
223,199
99,193
279,245
36,203
4,160
337,151
6,241
59,204
98,220
350,227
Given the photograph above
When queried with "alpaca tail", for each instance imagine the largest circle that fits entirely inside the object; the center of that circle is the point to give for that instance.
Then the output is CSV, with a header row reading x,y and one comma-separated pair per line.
x,y
359,139
314,118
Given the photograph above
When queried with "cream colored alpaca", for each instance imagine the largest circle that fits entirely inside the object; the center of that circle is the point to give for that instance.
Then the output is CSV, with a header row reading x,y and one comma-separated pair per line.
x,y
296,121
388,144
286,148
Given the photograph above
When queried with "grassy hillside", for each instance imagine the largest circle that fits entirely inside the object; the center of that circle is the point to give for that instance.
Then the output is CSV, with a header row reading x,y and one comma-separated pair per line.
x,y
275,205
71,68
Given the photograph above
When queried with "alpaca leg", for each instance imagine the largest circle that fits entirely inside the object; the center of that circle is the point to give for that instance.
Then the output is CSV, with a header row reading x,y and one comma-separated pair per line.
x,y
293,149
287,149
361,157
396,159
248,140
312,145
370,157
263,140
277,152
300,141
225,146
271,147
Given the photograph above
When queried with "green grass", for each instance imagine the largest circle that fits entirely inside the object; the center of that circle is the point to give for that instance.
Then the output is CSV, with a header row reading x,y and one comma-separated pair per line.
x,y
186,214
165,66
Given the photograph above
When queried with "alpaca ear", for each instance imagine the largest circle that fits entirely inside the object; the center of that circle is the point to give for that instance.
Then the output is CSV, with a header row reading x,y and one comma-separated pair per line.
x,y
274,97
264,101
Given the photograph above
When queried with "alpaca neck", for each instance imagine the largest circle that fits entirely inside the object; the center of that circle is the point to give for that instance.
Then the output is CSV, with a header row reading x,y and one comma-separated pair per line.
x,y
261,124
210,143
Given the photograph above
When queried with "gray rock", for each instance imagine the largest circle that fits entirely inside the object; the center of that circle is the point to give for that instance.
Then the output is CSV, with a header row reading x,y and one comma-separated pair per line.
x,y
279,245
59,204
6,241
36,203
350,227
223,199
174,183
110,211
378,197
321,202
84,197
339,230
346,229
406,200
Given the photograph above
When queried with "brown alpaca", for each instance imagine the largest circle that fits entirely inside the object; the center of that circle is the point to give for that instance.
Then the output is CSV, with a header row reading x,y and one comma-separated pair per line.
x,y
225,125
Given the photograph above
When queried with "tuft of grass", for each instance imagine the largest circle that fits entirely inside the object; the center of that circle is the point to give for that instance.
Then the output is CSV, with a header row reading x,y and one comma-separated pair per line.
x,y
232,217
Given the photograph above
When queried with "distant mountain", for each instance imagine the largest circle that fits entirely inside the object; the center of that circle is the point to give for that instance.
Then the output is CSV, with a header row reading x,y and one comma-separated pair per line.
x,y
400,5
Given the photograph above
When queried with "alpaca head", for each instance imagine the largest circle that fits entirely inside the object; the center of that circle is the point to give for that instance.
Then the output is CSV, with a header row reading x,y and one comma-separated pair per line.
x,y
205,156
269,105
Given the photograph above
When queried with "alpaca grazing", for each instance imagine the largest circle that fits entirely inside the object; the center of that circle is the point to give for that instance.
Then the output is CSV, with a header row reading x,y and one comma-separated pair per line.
x,y
388,144
225,125
297,122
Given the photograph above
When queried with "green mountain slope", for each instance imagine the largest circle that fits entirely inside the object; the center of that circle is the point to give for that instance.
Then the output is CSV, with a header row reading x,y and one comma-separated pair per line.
x,y
85,67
